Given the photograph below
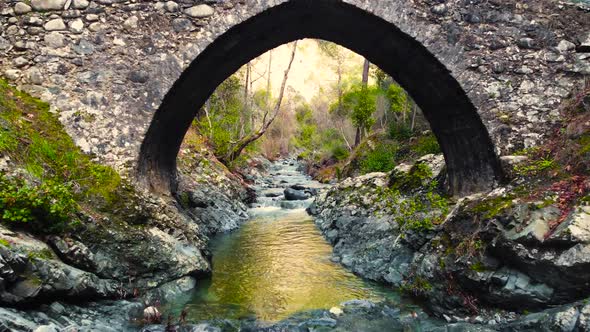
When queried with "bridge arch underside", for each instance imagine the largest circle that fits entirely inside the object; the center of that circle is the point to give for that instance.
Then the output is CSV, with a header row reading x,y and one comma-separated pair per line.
x,y
472,164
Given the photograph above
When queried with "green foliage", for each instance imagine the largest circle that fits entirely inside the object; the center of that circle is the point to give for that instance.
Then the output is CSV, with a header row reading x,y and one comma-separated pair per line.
x,y
4,243
35,140
226,114
426,145
416,286
398,99
43,254
421,212
399,131
414,179
46,208
363,110
379,159
340,152
535,167
477,267
492,207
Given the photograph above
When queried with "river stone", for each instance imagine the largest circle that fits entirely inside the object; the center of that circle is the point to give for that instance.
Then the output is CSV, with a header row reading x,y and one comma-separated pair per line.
x,y
34,76
131,23
54,39
80,4
577,226
46,5
565,46
22,8
55,25
200,11
76,26
171,6
295,195
182,25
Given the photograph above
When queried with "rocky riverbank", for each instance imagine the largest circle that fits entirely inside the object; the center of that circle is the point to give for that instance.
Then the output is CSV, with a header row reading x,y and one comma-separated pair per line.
x,y
118,243
468,258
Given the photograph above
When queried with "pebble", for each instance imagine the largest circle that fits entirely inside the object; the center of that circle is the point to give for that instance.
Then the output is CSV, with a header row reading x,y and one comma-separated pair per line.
x,y
55,25
48,5
54,39
76,26
22,8
200,11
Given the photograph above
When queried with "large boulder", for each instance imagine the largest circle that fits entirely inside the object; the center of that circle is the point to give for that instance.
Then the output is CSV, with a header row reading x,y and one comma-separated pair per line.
x,y
296,195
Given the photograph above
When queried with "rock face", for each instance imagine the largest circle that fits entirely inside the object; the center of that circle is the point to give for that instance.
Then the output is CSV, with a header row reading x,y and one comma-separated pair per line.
x,y
515,79
489,250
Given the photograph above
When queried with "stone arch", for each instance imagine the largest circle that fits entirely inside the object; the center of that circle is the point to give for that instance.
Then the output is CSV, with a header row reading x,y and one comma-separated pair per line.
x,y
472,164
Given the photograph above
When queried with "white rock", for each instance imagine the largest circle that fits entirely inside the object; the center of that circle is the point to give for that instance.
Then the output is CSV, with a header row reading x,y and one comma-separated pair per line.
x,y
80,4
54,39
55,25
34,76
22,8
76,26
336,311
92,18
171,6
12,74
46,328
94,27
151,315
119,42
131,23
565,46
200,11
46,5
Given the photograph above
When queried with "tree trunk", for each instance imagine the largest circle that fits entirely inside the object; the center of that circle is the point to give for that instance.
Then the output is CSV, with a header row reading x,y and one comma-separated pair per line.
x,y
366,66
268,79
245,111
414,118
239,146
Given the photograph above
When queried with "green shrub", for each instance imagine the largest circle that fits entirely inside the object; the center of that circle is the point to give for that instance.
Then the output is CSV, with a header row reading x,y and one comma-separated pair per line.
x,y
426,145
399,131
46,208
380,159
340,152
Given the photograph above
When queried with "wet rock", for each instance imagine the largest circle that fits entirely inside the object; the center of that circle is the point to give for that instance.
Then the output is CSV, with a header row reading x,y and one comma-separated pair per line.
x,y
295,195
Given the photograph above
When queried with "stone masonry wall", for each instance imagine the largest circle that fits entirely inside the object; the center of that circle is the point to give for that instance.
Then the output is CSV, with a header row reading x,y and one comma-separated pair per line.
x,y
105,65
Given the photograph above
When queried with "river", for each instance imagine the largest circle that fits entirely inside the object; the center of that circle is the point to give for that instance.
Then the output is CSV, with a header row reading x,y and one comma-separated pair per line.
x,y
277,264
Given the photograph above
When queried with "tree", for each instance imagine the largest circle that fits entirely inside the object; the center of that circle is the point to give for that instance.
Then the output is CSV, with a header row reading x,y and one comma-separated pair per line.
x,y
360,118
237,148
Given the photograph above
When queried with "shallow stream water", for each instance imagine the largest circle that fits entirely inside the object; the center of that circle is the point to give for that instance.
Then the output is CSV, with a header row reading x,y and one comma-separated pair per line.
x,y
276,264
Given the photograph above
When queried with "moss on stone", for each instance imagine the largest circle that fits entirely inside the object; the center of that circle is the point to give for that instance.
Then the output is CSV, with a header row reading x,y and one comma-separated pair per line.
x,y
43,254
491,207
34,139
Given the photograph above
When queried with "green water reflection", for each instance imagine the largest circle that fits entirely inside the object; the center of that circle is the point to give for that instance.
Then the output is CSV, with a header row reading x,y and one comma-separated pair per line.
x,y
271,268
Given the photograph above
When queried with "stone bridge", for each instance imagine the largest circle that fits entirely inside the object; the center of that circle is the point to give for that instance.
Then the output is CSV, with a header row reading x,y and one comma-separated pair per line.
x,y
127,76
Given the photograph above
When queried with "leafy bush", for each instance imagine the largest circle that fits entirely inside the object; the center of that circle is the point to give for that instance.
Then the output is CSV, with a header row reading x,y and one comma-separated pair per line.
x,y
426,145
399,131
380,159
340,152
46,208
